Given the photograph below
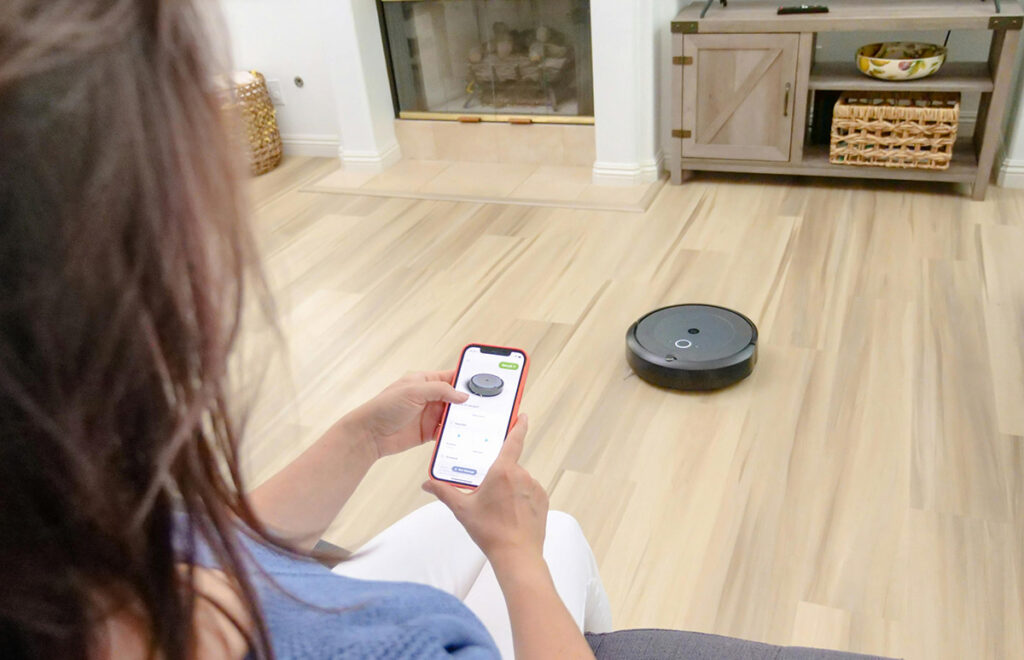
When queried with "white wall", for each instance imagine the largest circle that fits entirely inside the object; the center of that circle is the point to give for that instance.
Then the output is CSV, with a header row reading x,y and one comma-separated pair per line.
x,y
287,39
282,40
971,45
1011,169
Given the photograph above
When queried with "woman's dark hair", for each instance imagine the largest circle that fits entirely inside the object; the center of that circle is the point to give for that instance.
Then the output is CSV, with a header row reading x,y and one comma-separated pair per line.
x,y
123,252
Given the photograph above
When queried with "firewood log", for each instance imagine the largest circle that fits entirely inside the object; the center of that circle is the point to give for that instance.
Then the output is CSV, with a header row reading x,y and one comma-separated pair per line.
x,y
536,51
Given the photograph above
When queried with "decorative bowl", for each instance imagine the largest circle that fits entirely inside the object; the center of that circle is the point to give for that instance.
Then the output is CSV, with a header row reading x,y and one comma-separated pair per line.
x,y
901,60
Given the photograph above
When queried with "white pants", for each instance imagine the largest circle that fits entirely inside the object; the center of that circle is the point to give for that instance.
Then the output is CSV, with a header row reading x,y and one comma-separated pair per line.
x,y
430,546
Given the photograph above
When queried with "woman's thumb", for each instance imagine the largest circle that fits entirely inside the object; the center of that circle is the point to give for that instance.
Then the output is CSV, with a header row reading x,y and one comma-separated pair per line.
x,y
450,496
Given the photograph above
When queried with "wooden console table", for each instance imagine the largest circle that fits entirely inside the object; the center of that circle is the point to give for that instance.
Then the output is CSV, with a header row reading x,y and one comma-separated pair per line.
x,y
743,78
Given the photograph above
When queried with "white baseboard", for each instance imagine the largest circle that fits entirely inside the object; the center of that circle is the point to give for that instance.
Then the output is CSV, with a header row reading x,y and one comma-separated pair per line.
x,y
627,174
1011,174
369,161
306,144
1009,171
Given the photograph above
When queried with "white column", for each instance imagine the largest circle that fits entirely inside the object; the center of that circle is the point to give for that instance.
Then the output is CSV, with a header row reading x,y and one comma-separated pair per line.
x,y
625,105
360,79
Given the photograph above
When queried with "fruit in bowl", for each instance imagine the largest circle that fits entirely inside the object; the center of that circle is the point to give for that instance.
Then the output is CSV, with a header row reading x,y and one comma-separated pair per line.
x,y
901,60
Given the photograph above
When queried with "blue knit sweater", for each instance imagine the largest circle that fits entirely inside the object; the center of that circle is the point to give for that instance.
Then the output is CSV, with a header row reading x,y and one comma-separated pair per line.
x,y
368,619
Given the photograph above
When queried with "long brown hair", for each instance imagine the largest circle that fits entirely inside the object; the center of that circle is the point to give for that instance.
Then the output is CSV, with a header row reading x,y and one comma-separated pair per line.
x,y
123,253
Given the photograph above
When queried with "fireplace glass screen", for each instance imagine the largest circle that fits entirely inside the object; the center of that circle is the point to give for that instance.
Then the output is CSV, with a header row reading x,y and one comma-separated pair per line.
x,y
494,59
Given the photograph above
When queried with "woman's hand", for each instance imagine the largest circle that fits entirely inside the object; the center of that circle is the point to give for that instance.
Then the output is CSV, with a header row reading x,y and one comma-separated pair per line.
x,y
406,413
301,500
507,514
507,517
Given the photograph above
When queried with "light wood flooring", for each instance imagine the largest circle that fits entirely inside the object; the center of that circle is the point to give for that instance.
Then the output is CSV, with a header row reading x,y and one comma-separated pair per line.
x,y
503,183
862,490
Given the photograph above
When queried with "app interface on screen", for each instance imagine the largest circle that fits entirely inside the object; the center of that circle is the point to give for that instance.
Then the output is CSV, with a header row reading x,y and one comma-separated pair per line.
x,y
475,430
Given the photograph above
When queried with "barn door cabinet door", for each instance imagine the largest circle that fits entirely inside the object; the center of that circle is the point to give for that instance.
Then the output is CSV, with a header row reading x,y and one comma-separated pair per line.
x,y
738,96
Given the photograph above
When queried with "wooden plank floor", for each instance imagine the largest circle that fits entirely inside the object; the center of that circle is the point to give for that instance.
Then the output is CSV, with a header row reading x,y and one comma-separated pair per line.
x,y
862,490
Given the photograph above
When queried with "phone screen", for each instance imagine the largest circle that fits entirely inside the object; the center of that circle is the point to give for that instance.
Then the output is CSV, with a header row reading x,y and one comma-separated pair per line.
x,y
474,431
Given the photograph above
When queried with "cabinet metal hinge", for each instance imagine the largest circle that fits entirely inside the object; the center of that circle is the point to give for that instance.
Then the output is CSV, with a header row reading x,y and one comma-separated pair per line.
x,y
1005,22
682,60
678,133
684,27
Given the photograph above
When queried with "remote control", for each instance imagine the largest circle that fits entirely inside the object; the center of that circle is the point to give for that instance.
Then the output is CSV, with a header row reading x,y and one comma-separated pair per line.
x,y
803,9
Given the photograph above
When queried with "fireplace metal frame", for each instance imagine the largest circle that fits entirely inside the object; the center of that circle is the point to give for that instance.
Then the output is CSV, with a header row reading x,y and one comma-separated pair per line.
x,y
466,117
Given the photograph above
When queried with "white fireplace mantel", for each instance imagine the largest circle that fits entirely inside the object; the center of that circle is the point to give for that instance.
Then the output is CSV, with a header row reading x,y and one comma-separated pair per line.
x,y
626,115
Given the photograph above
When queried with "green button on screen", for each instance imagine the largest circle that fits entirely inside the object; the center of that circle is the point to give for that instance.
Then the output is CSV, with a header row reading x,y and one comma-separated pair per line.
x,y
508,365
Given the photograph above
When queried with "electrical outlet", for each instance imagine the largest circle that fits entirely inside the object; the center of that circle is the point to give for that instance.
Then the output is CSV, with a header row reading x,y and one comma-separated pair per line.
x,y
274,87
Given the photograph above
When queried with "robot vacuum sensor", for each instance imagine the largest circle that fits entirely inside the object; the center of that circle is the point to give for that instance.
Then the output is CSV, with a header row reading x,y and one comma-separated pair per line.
x,y
692,347
485,385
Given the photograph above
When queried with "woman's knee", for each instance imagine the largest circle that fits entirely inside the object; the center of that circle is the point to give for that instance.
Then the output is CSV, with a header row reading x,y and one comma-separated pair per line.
x,y
564,527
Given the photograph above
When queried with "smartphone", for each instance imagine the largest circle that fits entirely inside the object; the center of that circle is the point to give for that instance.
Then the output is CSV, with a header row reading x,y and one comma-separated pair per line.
x,y
471,433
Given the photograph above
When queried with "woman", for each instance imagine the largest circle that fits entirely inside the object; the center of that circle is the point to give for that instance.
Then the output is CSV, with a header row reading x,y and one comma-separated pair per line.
x,y
127,530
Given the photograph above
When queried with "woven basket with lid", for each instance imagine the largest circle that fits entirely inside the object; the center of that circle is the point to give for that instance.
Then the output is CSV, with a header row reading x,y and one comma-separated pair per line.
x,y
895,129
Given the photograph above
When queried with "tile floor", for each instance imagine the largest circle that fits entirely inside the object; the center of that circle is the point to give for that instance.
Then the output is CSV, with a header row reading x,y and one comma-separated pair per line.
x,y
509,183
495,142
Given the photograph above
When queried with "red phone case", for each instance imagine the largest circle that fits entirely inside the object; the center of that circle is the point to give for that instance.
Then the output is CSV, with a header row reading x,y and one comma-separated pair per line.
x,y
444,417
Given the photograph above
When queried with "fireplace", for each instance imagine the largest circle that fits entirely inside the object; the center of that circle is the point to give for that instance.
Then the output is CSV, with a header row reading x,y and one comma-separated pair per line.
x,y
490,60
388,73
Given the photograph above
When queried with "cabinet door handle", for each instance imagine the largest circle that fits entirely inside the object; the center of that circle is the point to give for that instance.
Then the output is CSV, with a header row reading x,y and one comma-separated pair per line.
x,y
785,102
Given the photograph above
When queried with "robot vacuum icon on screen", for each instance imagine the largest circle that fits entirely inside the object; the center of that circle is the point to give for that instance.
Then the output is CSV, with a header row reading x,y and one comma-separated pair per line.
x,y
485,385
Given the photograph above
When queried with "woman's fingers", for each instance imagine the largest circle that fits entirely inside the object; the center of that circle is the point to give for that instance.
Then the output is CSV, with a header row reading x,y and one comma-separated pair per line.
x,y
430,422
427,376
424,393
444,376
513,447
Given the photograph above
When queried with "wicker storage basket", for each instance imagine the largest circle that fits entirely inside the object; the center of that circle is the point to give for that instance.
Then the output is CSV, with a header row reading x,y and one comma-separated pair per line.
x,y
895,129
258,121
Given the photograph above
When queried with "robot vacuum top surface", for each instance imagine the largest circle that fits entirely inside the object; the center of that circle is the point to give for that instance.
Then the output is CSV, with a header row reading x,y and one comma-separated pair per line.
x,y
485,385
692,347
695,333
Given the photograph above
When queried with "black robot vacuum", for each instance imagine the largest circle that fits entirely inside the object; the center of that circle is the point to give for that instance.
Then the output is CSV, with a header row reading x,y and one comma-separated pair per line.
x,y
692,347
